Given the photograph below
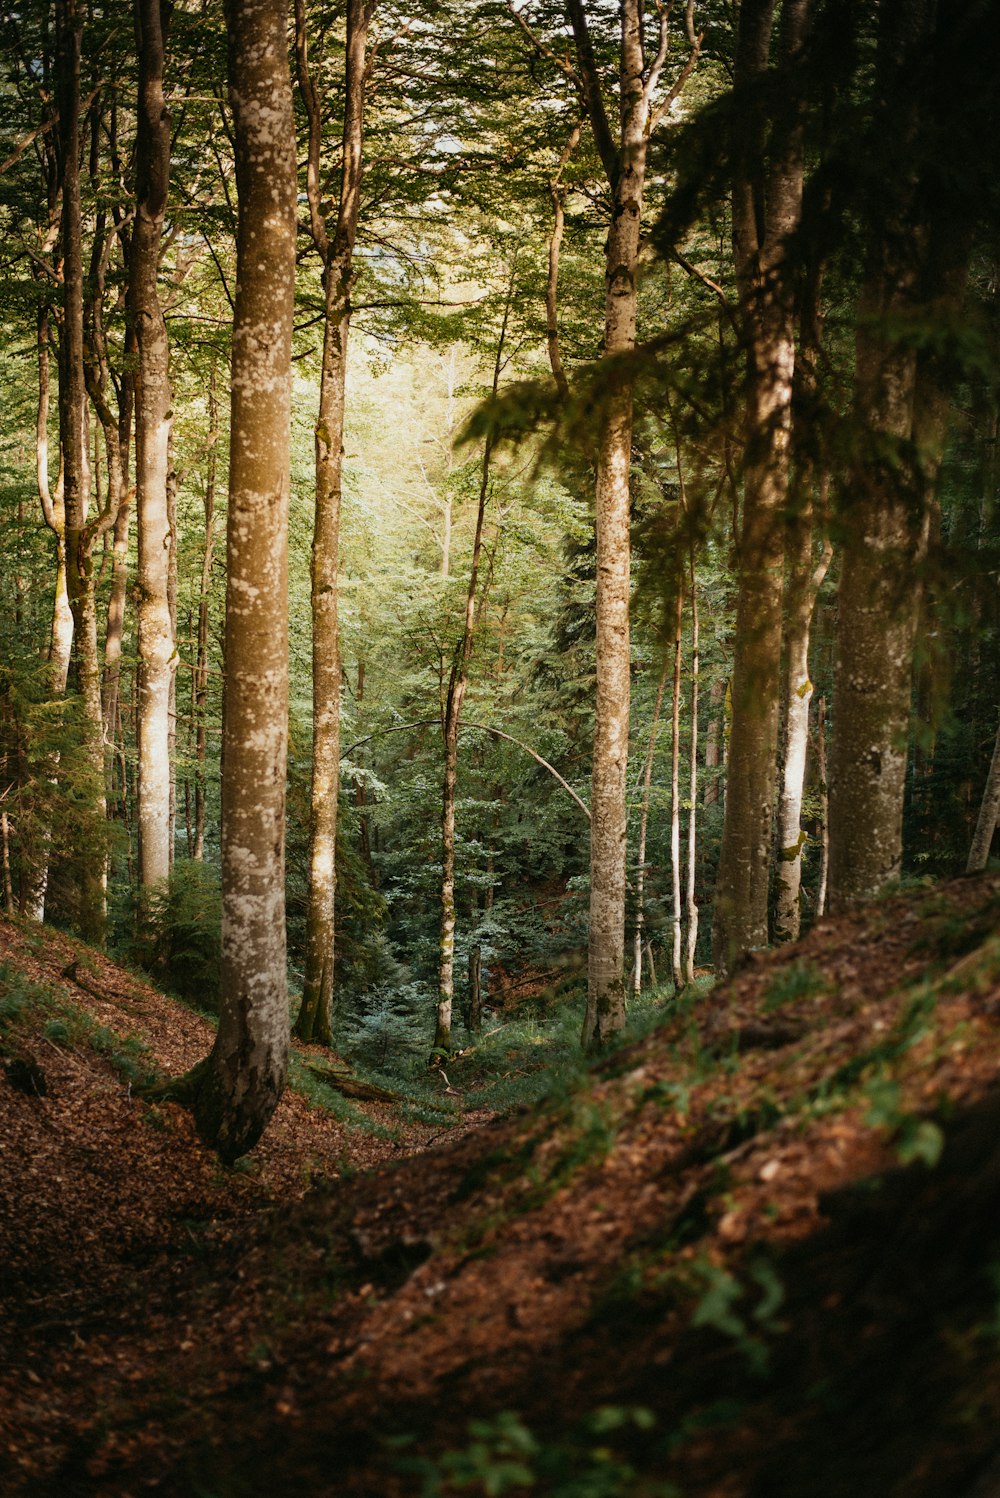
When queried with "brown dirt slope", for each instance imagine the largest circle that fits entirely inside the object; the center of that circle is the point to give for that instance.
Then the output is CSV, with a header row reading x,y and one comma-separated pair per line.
x,y
757,1256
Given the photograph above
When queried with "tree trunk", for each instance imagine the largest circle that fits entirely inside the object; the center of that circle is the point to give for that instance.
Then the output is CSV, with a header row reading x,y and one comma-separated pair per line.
x,y
314,1019
918,250
640,871
238,1086
713,740
35,849
805,582
201,658
675,802
474,1012
152,447
624,161
982,839
764,215
115,628
824,808
80,535
457,682
687,971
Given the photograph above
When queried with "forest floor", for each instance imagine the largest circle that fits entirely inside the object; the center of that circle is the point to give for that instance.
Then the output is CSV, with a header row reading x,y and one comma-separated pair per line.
x,y
755,1254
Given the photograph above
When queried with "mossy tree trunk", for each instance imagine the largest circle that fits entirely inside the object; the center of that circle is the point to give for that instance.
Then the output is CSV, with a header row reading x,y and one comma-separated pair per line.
x,y
240,1083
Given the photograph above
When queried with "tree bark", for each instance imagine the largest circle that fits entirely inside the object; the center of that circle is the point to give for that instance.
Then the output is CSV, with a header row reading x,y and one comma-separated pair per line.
x,y
766,208
200,680
624,161
917,255
676,945
805,581
691,944
824,808
314,1019
35,849
989,810
80,531
152,443
240,1083
640,871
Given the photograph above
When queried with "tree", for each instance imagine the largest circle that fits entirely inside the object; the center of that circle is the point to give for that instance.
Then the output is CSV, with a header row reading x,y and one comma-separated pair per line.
x,y
624,161
767,197
81,528
152,433
337,253
929,85
989,810
239,1084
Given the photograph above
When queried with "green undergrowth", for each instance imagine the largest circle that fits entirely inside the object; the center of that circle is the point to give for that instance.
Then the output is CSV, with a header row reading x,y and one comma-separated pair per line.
x,y
32,1007
598,1457
536,1056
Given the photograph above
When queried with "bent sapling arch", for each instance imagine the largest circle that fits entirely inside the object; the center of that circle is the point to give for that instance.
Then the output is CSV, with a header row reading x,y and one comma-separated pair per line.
x,y
498,733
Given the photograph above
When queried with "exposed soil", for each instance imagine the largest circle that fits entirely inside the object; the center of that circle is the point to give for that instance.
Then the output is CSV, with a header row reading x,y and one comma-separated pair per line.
x,y
758,1257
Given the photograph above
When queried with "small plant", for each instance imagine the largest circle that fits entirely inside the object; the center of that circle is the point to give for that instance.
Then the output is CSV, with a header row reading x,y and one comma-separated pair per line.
x,y
915,1138
717,1308
799,980
179,934
18,995
387,1028
504,1456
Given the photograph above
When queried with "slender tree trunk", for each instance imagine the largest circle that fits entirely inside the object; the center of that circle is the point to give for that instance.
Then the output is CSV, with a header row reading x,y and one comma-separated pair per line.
x,y
152,448
35,849
557,192
824,808
766,208
805,581
115,629
80,534
640,872
713,740
173,481
455,696
687,972
201,660
675,802
989,810
314,1020
624,161
8,885
239,1085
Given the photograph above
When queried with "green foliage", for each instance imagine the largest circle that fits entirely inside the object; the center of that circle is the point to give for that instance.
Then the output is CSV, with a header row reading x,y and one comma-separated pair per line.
x,y
801,979
388,1028
915,1138
722,1306
503,1455
179,934
20,997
